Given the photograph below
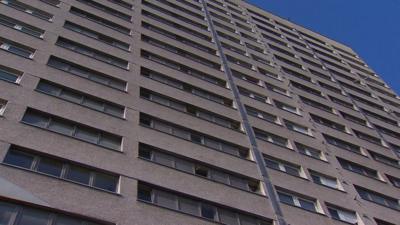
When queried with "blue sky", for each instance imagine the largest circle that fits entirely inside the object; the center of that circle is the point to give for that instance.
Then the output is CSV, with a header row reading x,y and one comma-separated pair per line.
x,y
370,27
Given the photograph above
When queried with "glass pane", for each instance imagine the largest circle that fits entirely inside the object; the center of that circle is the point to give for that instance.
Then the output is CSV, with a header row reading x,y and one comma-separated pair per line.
x,y
35,119
6,211
34,217
19,159
181,133
93,103
166,199
184,165
63,220
114,110
49,166
8,76
48,88
285,198
87,134
162,127
272,164
20,51
229,149
244,220
61,127
71,96
78,174
308,205
106,182
238,182
110,141
164,159
292,170
220,176
212,143
227,217
189,206
144,194
208,211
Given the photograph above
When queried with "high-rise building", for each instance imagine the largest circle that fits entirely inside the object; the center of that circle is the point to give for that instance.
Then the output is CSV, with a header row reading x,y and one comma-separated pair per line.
x,y
188,112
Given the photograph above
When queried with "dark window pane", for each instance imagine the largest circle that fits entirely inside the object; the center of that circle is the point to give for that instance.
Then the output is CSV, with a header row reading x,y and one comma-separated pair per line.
x,y
238,182
110,141
50,167
308,205
94,104
62,127
166,199
48,88
19,159
164,159
106,182
285,198
144,194
244,220
87,134
189,206
63,220
227,217
144,153
208,211
71,96
8,76
220,176
6,211
184,165
78,174
34,217
35,119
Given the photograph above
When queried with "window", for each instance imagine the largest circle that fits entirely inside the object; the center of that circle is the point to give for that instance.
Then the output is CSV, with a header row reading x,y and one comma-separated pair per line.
x,y
342,102
122,3
195,207
17,49
283,166
185,87
357,168
193,136
385,159
262,115
196,168
175,15
87,73
254,95
298,128
80,98
342,144
341,214
28,9
316,104
72,129
180,52
96,35
378,198
189,109
239,62
379,117
100,20
324,180
329,123
107,9
286,107
382,222
368,137
354,119
3,104
179,38
19,157
312,152
92,53
21,26
307,89
16,214
394,180
301,202
52,2
272,138
176,25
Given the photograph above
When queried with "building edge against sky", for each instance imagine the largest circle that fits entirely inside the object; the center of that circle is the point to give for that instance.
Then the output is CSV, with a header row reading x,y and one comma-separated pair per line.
x,y
159,111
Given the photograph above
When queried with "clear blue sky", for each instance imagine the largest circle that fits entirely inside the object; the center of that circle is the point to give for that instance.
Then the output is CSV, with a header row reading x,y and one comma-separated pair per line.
x,y
370,27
